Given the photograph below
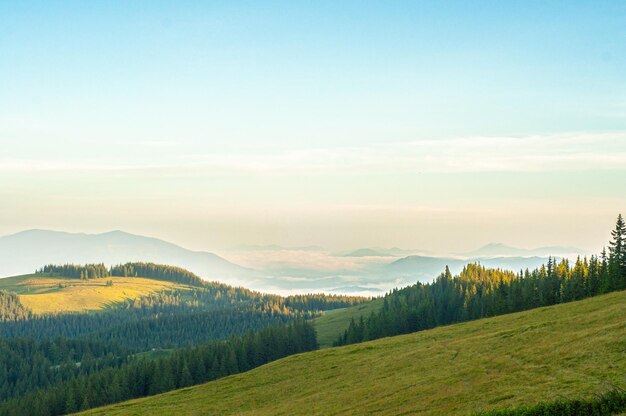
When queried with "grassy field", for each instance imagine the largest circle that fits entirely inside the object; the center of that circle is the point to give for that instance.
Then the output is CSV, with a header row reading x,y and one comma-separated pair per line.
x,y
332,324
43,294
570,350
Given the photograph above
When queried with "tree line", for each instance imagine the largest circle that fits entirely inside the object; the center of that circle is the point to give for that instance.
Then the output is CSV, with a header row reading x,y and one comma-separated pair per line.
x,y
138,269
321,301
185,367
479,292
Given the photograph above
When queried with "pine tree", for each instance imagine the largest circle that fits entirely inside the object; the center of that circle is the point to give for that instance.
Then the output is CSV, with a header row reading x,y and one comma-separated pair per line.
x,y
185,376
617,255
85,404
70,401
231,361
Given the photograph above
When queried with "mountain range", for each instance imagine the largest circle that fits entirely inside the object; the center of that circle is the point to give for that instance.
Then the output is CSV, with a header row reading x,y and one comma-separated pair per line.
x,y
503,250
382,252
371,270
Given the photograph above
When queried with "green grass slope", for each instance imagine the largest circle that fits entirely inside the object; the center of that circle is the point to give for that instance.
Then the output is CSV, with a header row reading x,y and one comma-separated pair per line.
x,y
43,294
571,350
332,323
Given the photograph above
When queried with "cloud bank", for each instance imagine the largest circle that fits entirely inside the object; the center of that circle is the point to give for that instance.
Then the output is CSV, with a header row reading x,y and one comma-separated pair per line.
x,y
559,152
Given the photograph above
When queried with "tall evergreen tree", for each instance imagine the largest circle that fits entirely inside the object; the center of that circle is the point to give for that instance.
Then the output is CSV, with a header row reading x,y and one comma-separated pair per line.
x,y
617,255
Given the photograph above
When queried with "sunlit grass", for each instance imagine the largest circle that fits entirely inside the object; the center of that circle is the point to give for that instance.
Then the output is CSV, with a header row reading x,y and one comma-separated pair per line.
x,y
57,294
332,324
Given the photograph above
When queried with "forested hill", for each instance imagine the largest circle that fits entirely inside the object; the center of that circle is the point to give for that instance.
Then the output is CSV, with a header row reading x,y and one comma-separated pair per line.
x,y
174,274
95,287
143,313
64,359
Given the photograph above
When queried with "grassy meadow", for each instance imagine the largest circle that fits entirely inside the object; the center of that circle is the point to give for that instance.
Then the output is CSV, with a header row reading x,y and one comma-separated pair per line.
x,y
573,350
43,294
332,323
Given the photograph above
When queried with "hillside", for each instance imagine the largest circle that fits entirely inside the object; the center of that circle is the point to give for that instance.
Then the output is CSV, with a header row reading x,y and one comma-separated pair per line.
x,y
570,350
333,323
43,294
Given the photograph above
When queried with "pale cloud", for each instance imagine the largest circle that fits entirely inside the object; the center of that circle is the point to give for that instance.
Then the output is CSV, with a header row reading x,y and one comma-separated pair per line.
x,y
84,165
472,154
316,261
559,152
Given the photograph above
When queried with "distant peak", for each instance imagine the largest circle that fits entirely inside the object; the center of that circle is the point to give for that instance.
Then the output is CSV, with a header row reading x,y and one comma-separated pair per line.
x,y
115,232
37,231
501,249
490,245
40,231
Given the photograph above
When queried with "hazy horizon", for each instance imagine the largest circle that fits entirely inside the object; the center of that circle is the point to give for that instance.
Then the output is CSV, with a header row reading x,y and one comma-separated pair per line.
x,y
273,269
244,247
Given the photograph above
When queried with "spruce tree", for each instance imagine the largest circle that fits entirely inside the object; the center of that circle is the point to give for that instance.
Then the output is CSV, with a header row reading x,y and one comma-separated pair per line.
x,y
85,404
185,376
70,401
617,255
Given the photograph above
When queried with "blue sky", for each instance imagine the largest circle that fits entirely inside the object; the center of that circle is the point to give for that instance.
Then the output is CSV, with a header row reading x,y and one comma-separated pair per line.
x,y
443,124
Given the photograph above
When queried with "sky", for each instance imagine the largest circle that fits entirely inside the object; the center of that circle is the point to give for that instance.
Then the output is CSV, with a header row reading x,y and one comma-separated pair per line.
x,y
433,125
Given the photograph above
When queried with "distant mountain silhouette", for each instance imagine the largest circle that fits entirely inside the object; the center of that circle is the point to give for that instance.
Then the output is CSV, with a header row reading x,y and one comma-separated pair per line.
x,y
24,252
383,252
274,247
425,268
503,250
27,251
365,252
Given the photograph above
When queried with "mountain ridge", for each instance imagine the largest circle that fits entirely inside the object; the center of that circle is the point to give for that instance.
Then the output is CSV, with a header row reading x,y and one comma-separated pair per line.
x,y
25,251
426,267
504,250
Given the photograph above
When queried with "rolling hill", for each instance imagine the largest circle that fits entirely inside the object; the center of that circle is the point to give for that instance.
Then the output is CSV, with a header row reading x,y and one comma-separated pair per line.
x,y
27,251
571,350
43,294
